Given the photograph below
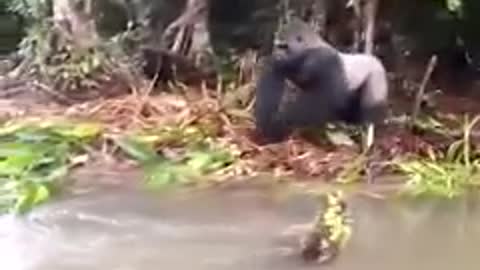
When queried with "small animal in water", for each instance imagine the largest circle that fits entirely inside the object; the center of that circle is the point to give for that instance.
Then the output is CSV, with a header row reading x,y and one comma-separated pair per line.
x,y
330,231
335,86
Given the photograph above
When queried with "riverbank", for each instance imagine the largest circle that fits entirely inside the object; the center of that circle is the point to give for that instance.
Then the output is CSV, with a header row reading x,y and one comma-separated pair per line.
x,y
193,136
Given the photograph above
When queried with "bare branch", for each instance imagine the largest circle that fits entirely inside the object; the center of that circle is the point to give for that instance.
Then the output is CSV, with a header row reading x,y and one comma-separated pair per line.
x,y
194,12
418,98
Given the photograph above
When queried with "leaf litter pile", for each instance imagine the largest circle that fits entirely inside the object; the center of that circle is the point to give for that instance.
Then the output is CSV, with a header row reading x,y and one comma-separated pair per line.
x,y
165,120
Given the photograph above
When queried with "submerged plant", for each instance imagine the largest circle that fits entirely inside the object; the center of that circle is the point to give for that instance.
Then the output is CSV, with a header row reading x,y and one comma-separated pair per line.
x,y
331,230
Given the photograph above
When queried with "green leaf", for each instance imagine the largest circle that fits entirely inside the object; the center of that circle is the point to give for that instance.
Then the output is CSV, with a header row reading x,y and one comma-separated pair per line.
x,y
79,131
34,157
11,128
8,149
136,149
207,161
30,195
161,174
454,5
41,194
200,161
57,173
17,165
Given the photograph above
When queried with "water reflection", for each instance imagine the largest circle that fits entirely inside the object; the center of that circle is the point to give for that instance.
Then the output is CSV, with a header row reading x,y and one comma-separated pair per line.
x,y
234,229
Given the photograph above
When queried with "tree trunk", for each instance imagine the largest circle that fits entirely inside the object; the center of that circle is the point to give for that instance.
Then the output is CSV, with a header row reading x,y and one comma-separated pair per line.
x,y
73,18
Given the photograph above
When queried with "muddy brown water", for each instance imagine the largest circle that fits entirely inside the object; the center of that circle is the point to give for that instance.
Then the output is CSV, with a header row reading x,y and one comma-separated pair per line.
x,y
234,228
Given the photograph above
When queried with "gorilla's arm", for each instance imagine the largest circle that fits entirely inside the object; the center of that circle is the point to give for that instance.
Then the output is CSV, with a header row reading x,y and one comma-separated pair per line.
x,y
367,78
324,84
374,99
269,93
271,87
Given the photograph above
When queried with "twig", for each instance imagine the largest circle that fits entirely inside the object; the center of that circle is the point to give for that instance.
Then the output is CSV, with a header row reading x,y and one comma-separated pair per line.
x,y
251,104
143,100
418,98
56,94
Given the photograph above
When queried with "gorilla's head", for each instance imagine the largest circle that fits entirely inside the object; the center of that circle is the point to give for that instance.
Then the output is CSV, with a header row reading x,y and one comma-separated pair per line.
x,y
297,36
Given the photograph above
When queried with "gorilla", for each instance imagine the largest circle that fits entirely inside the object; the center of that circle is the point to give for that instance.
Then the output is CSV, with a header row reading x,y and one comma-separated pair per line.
x,y
335,86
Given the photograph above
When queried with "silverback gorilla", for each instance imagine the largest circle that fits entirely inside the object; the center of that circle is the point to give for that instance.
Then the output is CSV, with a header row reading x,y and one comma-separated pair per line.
x,y
335,86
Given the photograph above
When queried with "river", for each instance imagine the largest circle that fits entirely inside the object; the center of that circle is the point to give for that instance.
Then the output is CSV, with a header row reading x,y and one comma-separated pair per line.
x,y
124,228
